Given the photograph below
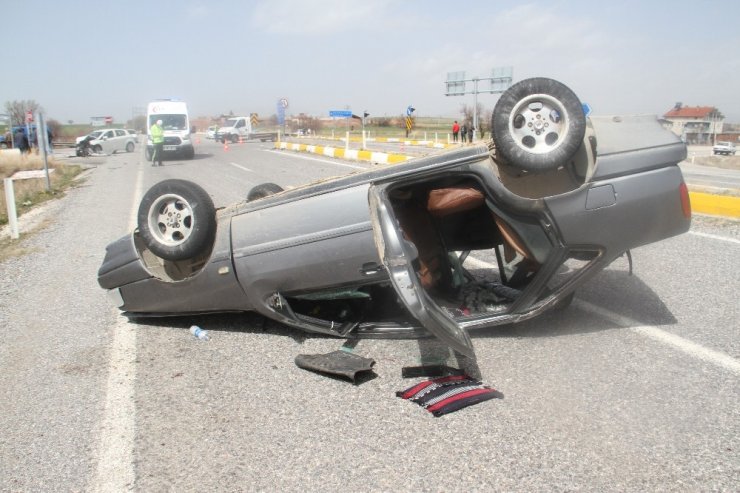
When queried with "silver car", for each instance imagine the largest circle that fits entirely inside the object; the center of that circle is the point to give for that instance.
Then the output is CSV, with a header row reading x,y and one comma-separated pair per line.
x,y
551,200
111,141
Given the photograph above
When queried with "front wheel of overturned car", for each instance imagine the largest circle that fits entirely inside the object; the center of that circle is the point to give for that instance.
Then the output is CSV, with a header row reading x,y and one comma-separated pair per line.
x,y
538,125
263,190
177,219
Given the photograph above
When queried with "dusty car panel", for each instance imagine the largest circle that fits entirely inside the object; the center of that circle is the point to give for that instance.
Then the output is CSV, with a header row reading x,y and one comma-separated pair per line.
x,y
386,252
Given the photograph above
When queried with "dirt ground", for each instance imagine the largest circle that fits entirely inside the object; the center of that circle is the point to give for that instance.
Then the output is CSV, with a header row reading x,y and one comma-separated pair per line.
x,y
725,162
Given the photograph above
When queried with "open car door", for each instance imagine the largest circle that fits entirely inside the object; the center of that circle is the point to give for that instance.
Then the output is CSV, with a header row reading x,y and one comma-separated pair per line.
x,y
398,255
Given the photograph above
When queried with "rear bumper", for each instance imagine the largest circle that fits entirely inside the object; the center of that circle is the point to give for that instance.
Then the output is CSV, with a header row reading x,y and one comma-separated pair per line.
x,y
623,212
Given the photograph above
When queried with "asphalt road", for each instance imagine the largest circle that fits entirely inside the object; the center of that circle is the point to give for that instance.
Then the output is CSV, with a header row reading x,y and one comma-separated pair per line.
x,y
635,387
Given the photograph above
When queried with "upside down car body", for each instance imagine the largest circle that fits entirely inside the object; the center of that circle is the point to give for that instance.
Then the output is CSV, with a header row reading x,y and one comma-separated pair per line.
x,y
554,197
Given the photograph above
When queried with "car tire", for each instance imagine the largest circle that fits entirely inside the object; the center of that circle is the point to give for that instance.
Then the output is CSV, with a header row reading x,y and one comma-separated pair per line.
x,y
130,147
97,149
234,139
190,153
538,125
263,190
177,219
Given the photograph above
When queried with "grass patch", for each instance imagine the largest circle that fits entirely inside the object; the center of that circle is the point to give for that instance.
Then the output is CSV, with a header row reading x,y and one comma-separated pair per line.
x,y
32,192
14,248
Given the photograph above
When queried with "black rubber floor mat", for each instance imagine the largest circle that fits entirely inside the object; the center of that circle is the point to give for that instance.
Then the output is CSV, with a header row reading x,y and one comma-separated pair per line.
x,y
339,363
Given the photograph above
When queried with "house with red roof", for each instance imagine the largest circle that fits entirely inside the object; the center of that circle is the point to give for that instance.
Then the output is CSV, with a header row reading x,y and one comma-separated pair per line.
x,y
694,124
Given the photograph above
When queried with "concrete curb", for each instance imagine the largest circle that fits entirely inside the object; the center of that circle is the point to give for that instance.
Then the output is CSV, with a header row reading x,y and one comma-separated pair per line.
x,y
716,205
337,152
701,202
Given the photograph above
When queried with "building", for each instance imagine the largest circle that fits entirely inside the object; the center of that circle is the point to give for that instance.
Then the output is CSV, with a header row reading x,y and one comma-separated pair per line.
x,y
694,124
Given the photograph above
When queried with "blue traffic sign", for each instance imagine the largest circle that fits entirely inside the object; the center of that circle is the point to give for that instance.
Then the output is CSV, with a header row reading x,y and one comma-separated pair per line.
x,y
341,113
410,110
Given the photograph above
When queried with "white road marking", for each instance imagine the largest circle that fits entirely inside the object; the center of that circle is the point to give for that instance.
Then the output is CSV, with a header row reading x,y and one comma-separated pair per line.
x,y
241,167
317,159
115,471
715,237
691,348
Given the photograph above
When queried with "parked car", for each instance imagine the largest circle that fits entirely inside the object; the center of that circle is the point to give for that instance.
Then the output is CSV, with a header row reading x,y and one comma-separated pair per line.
x,y
211,132
110,141
133,133
554,198
722,147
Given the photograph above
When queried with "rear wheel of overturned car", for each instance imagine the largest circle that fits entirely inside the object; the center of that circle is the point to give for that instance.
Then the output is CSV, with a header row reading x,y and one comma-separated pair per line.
x,y
177,219
538,125
263,190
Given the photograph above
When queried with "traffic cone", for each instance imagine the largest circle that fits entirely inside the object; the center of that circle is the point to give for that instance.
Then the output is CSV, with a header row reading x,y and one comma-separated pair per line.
x,y
197,140
241,139
226,145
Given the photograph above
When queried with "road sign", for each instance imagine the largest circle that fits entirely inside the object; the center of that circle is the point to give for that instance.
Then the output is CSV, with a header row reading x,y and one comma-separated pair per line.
x,y
340,113
283,102
254,118
410,110
409,123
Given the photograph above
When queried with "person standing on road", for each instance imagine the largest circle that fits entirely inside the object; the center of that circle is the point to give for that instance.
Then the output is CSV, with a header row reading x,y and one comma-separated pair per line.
x,y
49,140
471,129
21,141
455,131
463,132
157,134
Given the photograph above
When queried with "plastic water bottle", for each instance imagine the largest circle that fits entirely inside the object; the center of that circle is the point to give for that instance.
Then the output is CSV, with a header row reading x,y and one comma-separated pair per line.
x,y
199,333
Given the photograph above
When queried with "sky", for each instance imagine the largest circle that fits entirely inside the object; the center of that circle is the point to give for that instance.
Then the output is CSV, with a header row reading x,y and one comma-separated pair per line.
x,y
80,59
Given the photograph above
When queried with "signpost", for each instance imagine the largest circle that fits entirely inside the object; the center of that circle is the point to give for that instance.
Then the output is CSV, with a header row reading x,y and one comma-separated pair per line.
x,y
499,81
340,113
282,103
409,121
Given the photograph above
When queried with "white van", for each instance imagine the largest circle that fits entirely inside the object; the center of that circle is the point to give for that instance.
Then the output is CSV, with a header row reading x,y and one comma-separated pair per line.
x,y
176,125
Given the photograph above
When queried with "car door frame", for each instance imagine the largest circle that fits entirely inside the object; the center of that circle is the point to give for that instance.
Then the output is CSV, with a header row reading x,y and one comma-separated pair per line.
x,y
108,145
397,255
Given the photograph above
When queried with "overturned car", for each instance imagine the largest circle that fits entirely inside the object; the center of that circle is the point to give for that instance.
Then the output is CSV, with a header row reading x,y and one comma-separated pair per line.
x,y
550,201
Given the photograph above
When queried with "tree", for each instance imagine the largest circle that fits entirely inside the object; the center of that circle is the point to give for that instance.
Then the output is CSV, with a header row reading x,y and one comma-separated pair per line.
x,y
54,127
309,122
484,117
17,110
484,122
138,123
